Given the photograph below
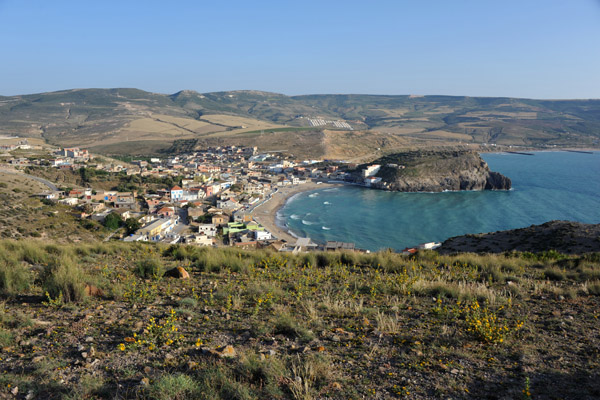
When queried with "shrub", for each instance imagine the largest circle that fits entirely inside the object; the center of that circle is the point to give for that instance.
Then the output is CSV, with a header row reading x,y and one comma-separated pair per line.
x,y
14,278
288,326
554,274
150,268
64,277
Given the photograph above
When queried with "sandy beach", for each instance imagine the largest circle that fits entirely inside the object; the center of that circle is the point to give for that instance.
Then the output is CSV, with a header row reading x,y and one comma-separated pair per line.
x,y
265,214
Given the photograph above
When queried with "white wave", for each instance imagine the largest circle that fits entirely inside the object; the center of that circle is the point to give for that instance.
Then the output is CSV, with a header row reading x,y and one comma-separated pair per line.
x,y
325,228
294,216
326,203
313,195
307,222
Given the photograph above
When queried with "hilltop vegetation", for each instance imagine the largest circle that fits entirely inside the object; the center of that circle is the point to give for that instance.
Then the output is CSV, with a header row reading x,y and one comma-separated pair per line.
x,y
133,121
105,321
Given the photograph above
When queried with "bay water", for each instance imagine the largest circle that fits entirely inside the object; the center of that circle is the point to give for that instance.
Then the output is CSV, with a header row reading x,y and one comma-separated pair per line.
x,y
546,186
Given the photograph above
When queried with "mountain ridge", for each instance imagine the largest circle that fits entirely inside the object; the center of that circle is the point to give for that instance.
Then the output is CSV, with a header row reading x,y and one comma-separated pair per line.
x,y
100,118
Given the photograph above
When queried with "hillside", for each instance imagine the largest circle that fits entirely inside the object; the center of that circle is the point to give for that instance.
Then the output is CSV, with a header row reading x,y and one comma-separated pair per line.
x,y
139,122
563,236
103,320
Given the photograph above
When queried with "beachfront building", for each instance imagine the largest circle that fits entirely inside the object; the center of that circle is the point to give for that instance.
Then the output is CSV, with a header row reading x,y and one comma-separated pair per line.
x,y
371,170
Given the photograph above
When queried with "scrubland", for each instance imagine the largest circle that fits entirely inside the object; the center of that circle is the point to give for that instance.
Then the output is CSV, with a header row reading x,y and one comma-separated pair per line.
x,y
108,321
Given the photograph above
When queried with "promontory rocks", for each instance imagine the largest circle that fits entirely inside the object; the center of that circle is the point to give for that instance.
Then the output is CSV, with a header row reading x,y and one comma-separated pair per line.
x,y
433,171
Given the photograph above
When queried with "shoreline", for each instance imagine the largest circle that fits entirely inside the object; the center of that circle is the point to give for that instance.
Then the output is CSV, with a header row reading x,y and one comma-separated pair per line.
x,y
266,213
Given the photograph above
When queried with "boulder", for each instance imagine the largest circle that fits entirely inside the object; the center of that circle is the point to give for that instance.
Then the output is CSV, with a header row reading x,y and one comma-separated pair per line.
x,y
93,291
177,272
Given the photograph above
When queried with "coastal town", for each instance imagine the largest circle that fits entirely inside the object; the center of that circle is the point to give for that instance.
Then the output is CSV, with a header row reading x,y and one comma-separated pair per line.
x,y
218,196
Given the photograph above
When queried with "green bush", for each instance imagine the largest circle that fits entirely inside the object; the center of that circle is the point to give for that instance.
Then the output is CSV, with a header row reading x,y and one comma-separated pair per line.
x,y
64,277
150,268
14,278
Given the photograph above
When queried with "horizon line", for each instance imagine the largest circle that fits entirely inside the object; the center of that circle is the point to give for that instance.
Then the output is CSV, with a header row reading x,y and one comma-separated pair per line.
x,y
416,95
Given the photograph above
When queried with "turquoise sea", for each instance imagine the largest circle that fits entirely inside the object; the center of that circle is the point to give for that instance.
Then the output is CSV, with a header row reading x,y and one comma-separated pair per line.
x,y
546,186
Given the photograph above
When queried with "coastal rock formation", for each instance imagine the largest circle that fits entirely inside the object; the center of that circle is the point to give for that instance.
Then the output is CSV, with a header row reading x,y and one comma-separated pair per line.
x,y
563,236
436,171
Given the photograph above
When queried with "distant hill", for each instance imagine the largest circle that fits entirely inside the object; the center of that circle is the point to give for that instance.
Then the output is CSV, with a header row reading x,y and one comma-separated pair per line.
x,y
334,126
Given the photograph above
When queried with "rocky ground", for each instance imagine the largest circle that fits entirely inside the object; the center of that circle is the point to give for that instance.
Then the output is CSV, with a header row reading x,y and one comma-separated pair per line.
x,y
562,236
248,325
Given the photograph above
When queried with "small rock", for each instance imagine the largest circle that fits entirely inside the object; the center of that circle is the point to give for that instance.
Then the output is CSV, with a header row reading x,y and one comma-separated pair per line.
x,y
93,291
192,364
335,338
89,339
454,371
305,349
84,355
80,348
15,391
178,272
169,357
38,359
227,352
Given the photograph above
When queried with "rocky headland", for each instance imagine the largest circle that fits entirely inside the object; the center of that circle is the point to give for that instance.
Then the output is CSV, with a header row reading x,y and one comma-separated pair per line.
x,y
435,171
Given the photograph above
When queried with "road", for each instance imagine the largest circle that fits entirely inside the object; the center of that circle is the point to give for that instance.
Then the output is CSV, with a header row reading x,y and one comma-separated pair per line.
x,y
43,181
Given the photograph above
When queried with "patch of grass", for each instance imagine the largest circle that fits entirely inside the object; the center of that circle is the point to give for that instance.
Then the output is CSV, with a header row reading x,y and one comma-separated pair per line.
x,y
594,288
175,387
554,274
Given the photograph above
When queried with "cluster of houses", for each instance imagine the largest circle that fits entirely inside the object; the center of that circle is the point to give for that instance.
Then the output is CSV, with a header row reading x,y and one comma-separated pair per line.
x,y
218,189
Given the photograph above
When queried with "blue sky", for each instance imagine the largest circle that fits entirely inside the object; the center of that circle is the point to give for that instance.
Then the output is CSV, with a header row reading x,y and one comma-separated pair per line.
x,y
524,48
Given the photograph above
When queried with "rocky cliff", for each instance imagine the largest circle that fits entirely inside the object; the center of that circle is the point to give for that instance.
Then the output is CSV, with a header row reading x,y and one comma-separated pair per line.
x,y
436,171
